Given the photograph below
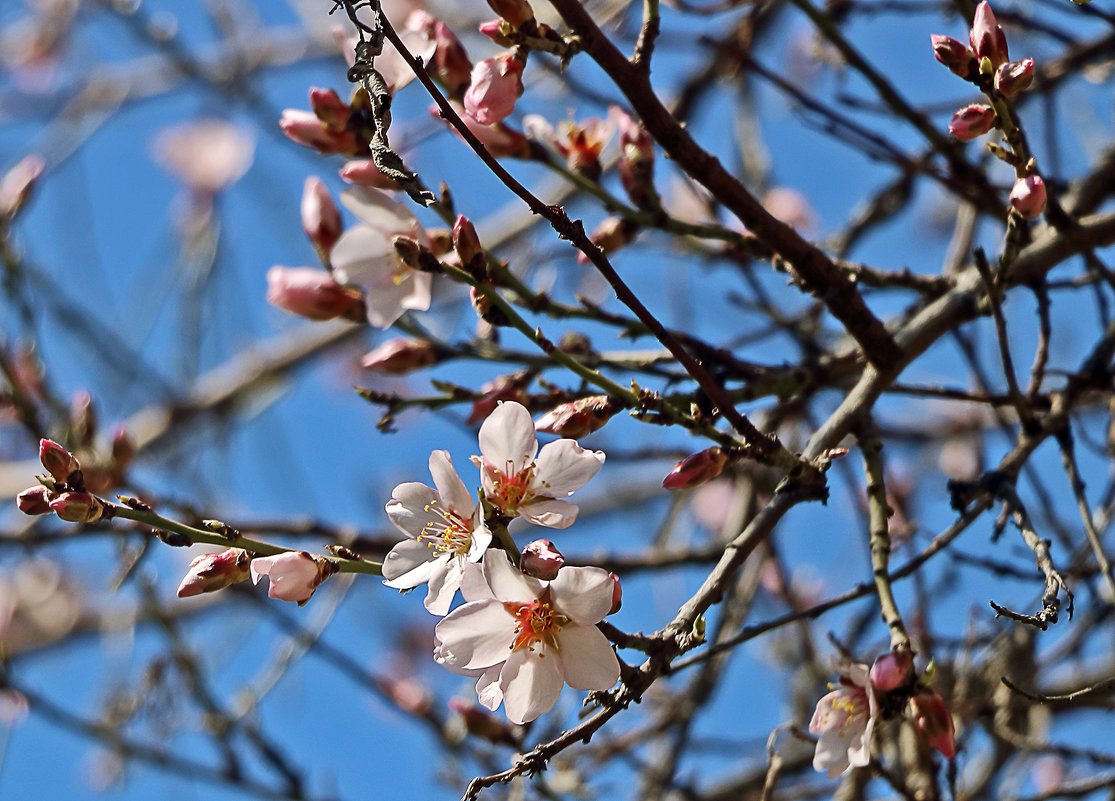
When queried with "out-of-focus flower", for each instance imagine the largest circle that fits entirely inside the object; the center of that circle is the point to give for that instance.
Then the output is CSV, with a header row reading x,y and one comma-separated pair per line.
x,y
504,388
891,670
17,183
696,469
333,112
971,122
529,637
321,219
480,723
611,235
293,575
1028,196
366,255
498,139
400,356
577,418
207,155
954,54
516,12
789,206
541,560
495,85
845,719
214,571
933,721
364,172
313,294
306,129
445,529
986,37
579,143
636,161
1014,77
447,61
518,483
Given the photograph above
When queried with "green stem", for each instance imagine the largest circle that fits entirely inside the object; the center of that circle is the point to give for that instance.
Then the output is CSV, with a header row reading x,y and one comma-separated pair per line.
x,y
879,515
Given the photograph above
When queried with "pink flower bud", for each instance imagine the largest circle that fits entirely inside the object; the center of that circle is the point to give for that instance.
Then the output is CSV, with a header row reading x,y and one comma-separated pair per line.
x,y
400,356
696,469
504,388
517,12
891,670
541,560
1014,77
409,695
498,30
294,575
306,129
577,418
986,37
954,54
466,242
83,417
17,183
312,293
480,723
363,172
78,507
1028,196
617,594
972,121
58,461
214,571
611,235
495,85
933,722
35,501
321,220
498,139
328,107
452,65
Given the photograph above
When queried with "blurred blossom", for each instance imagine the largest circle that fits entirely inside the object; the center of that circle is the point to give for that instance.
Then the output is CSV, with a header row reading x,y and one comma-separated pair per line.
x,y
495,86
1048,773
207,155
1028,196
499,139
321,219
845,719
14,708
364,172
400,356
17,183
789,206
312,293
579,143
714,503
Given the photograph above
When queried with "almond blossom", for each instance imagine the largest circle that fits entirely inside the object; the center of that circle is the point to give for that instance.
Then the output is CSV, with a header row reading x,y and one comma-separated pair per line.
x,y
520,484
845,719
293,575
446,531
365,254
528,638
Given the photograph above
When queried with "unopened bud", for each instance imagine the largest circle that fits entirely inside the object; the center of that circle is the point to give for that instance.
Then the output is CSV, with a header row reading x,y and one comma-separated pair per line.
x,y
971,122
482,724
696,469
515,12
541,560
363,172
78,507
617,594
328,107
1014,77
498,30
933,722
1028,196
401,356
467,243
452,66
577,418
35,501
17,183
58,461
611,235
987,38
215,571
504,388
891,670
313,294
123,449
83,417
321,219
954,54
485,309
306,129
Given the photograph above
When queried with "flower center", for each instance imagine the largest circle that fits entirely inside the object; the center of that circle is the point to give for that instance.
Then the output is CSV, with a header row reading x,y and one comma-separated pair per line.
x,y
448,532
536,622
512,491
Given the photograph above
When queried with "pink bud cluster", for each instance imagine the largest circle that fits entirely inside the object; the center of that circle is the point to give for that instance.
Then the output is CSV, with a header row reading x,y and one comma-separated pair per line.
x,y
62,490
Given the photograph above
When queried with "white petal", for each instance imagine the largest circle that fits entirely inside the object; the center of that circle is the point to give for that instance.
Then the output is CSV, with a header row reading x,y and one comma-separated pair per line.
x,y
380,212
407,507
445,578
564,466
508,583
481,539
487,688
583,593
531,684
386,304
587,658
476,635
405,558
452,490
419,297
363,256
550,513
474,587
507,438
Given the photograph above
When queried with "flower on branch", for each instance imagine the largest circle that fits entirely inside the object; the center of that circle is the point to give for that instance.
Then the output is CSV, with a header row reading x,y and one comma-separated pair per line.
x,y
445,530
1028,196
518,483
971,122
294,575
986,37
845,719
312,293
214,571
365,254
579,143
495,86
528,638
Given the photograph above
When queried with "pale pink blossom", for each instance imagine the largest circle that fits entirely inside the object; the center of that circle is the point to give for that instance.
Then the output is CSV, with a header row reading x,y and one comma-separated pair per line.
x,y
214,571
845,719
445,528
17,183
311,293
294,575
495,86
366,255
418,35
579,143
1028,196
306,129
207,155
517,482
529,638
499,139
541,560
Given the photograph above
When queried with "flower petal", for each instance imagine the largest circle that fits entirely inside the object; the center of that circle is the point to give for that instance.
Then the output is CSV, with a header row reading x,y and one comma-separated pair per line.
x,y
444,580
474,587
407,565
564,466
507,438
587,658
407,507
380,212
507,582
363,256
487,688
386,303
475,635
452,490
550,513
531,685
583,593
